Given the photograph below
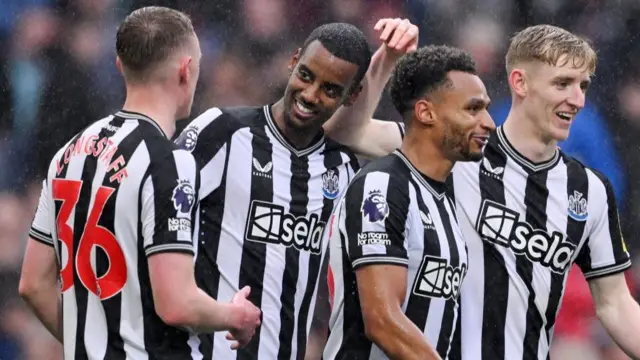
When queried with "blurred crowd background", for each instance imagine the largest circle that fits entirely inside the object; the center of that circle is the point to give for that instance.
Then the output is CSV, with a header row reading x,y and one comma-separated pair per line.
x,y
58,74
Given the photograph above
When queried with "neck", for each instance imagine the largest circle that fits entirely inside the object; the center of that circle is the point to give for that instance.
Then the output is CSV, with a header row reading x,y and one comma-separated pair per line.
x,y
525,137
299,138
426,157
152,101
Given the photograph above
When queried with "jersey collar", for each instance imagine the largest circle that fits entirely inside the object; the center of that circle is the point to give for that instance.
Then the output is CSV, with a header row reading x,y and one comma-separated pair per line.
x,y
436,188
526,164
130,115
277,133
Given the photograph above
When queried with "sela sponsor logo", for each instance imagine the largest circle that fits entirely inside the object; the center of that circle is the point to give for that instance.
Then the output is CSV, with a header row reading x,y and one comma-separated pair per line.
x,y
188,139
268,223
501,226
490,170
373,238
183,196
374,207
262,171
438,279
176,224
331,184
578,207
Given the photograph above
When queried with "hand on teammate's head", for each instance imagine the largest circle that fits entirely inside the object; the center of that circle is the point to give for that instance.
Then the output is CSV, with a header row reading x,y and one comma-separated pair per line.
x,y
248,319
399,35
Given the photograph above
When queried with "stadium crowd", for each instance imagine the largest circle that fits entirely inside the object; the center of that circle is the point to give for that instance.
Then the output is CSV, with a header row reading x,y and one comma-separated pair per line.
x,y
58,74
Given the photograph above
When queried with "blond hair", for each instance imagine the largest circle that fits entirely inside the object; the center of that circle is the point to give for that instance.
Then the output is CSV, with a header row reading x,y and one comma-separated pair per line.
x,y
551,45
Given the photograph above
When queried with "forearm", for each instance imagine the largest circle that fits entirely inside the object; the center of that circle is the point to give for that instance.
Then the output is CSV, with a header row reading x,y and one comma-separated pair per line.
x,y
400,339
349,122
44,301
622,322
203,314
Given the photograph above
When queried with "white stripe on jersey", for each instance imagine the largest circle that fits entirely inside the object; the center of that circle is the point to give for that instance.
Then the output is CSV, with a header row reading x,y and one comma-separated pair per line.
x,y
572,202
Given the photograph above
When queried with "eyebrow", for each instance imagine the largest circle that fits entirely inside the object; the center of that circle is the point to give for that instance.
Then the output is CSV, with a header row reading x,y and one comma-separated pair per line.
x,y
570,79
328,83
476,101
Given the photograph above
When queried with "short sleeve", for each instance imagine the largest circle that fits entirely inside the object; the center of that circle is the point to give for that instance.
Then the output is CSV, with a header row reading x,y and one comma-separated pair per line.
x,y
42,226
169,202
604,252
374,215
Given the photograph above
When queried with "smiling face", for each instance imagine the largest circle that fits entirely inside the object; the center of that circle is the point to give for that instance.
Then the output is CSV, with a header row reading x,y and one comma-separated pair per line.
x,y
319,84
554,95
463,122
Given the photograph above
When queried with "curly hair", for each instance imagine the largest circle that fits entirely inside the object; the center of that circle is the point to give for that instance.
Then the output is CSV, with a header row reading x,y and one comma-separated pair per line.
x,y
421,72
344,41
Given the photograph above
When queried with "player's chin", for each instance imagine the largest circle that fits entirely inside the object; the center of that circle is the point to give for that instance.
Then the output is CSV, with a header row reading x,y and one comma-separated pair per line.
x,y
472,155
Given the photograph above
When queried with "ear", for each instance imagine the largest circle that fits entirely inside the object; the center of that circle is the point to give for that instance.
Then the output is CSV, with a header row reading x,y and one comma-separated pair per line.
x,y
294,60
119,65
424,112
184,73
351,98
518,81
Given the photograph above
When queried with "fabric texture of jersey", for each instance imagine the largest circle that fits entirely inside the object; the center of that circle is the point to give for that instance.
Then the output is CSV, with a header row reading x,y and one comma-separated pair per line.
x,y
525,225
392,214
264,205
115,194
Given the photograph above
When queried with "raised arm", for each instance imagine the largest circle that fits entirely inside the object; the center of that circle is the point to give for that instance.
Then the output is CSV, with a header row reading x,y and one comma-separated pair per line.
x,y
353,126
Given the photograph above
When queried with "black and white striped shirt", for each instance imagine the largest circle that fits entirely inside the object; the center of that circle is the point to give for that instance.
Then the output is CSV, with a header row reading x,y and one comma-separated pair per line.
x,y
264,206
116,193
525,225
392,214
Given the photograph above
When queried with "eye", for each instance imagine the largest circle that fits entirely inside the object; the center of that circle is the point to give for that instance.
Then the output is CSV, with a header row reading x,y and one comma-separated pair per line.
x,y
304,75
561,85
332,92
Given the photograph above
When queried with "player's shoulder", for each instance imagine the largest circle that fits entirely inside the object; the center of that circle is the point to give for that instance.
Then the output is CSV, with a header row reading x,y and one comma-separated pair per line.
x,y
593,175
390,168
333,147
237,116
218,124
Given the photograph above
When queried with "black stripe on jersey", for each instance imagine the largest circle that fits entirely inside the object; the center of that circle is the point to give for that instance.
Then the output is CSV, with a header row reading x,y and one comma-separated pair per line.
x,y
254,254
80,220
206,270
496,278
299,188
418,306
353,322
331,160
446,330
535,201
161,340
112,306
577,180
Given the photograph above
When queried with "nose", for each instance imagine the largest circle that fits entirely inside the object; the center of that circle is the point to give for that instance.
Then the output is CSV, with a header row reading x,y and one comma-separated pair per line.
x,y
577,97
310,94
487,123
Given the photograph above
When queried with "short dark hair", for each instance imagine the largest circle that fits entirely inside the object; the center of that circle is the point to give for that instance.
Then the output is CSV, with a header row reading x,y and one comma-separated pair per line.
x,y
423,71
148,36
346,42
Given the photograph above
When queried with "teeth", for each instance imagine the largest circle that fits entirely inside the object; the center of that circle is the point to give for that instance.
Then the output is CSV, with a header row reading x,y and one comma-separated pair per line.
x,y
302,108
565,115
